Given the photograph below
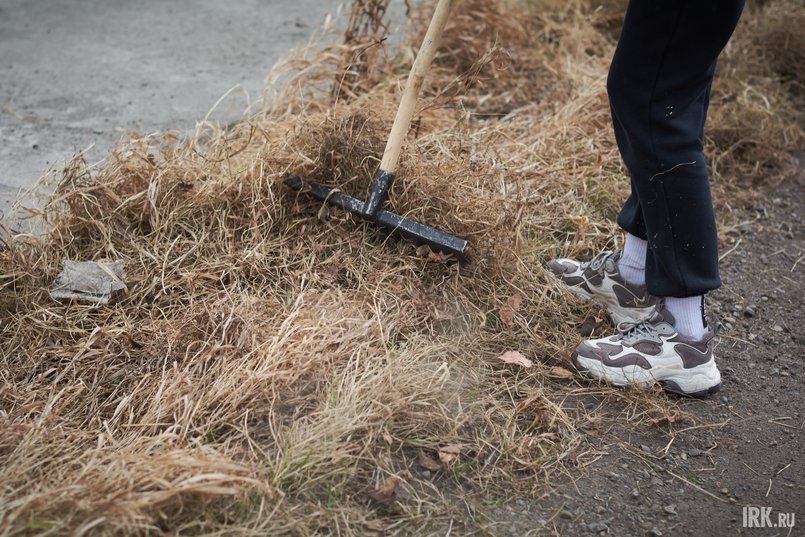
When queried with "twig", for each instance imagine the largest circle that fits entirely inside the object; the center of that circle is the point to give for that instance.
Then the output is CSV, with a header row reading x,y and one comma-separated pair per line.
x,y
700,489
750,468
703,426
774,421
728,252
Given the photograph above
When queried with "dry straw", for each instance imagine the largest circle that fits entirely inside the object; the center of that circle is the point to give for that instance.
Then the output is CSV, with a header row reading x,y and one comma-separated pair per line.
x,y
277,367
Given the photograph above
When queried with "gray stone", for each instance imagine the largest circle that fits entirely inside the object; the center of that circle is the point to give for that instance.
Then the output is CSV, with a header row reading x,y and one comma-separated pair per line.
x,y
89,282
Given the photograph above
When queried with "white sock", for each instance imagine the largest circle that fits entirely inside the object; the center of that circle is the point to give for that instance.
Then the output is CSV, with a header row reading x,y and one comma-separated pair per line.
x,y
632,264
689,315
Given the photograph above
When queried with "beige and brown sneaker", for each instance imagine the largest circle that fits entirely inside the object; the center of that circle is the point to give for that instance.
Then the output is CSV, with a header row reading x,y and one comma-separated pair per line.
x,y
652,351
601,281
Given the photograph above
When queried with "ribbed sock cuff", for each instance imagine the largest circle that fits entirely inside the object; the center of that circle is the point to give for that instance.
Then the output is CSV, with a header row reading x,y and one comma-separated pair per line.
x,y
689,315
632,264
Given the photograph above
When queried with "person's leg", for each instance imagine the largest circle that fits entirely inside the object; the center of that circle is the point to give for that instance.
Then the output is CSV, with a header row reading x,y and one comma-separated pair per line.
x,y
659,88
659,85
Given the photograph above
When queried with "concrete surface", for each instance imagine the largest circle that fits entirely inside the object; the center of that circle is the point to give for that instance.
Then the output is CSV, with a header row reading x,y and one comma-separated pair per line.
x,y
74,73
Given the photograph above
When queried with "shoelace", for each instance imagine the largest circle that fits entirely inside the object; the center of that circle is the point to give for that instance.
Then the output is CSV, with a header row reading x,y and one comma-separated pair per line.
x,y
632,331
598,262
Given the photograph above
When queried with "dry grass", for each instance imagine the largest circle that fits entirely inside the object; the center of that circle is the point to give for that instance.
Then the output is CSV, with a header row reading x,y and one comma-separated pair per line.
x,y
276,367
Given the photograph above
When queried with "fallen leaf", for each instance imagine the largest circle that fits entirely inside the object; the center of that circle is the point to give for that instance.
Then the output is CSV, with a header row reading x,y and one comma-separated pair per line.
x,y
507,316
517,358
424,252
515,301
386,436
448,454
386,492
512,306
589,324
427,462
561,372
438,257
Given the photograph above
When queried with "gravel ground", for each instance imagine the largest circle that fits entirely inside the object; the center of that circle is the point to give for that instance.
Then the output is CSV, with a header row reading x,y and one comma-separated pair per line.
x,y
746,447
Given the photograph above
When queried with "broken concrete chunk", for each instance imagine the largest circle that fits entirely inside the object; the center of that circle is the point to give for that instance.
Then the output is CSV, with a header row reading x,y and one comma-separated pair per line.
x,y
89,281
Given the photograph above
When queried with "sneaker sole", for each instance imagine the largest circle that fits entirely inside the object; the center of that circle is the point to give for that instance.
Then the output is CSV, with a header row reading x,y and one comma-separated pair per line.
x,y
698,382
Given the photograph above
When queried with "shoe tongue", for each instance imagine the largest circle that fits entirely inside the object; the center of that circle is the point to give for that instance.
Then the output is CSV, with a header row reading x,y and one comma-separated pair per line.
x,y
661,315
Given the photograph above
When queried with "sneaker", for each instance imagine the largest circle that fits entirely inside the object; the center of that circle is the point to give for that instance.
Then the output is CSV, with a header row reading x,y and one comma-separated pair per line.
x,y
652,351
600,280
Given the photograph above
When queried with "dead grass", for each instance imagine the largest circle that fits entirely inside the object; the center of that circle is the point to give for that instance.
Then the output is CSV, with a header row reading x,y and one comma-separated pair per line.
x,y
276,367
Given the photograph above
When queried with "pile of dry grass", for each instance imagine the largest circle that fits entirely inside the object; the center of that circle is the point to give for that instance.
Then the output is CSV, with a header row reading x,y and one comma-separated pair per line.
x,y
278,367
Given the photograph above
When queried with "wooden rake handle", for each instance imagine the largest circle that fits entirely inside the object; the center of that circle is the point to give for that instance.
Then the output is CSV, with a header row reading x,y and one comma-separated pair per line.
x,y
402,122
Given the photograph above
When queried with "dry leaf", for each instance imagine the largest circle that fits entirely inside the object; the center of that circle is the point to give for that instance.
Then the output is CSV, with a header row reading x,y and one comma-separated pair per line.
x,y
515,302
512,306
438,257
448,454
517,358
427,462
386,436
507,316
386,492
589,325
561,372
424,252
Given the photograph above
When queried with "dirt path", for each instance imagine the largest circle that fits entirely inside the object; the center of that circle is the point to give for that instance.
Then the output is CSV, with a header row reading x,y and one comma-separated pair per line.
x,y
748,445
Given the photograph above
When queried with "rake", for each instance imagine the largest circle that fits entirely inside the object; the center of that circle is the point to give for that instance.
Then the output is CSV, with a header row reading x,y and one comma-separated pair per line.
x,y
372,209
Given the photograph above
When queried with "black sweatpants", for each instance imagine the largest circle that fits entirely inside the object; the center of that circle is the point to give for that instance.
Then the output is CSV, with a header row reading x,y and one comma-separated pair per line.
x,y
659,89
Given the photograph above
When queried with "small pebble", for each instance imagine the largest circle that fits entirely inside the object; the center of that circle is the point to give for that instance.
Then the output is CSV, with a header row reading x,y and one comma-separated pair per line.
x,y
695,452
645,448
596,527
777,328
670,509
635,493
654,532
